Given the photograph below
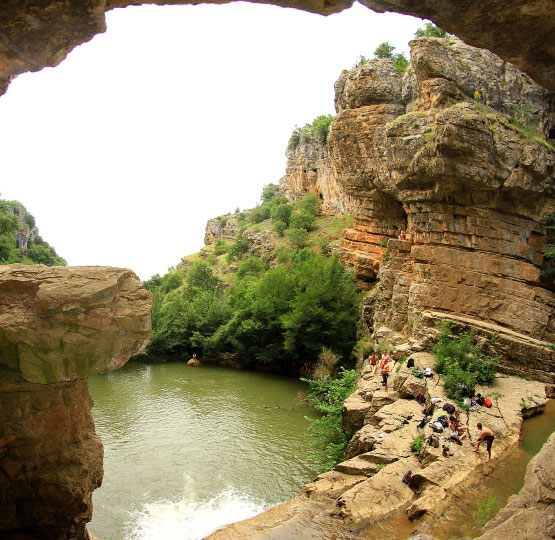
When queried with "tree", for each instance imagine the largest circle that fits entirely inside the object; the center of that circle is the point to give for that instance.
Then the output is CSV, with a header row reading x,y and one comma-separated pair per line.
x,y
430,30
384,50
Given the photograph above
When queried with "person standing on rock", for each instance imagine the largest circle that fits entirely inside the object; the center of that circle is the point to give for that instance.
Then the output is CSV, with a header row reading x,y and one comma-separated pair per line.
x,y
384,368
373,360
486,435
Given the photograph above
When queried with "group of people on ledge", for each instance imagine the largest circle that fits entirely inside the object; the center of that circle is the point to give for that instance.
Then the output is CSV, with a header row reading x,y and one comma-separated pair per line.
x,y
459,430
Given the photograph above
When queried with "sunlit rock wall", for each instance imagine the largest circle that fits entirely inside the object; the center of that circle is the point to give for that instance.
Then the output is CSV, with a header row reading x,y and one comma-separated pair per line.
x,y
432,154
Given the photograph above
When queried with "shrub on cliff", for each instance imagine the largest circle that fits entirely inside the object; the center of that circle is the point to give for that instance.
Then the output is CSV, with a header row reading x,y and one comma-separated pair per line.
x,y
317,131
327,395
386,50
462,363
430,30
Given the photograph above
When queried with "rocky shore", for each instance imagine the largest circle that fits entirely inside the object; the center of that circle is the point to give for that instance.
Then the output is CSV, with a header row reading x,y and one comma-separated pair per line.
x,y
366,490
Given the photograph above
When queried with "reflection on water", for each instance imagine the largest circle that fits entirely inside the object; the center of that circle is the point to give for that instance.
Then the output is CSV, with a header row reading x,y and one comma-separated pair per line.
x,y
189,449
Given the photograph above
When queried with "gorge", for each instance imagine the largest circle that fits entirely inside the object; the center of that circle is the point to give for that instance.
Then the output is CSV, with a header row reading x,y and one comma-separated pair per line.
x,y
435,153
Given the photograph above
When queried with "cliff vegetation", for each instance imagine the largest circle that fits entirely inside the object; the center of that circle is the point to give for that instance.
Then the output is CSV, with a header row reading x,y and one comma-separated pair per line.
x,y
20,241
267,291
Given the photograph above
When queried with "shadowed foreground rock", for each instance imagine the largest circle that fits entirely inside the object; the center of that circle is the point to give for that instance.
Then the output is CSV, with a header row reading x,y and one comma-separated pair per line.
x,y
58,326
531,511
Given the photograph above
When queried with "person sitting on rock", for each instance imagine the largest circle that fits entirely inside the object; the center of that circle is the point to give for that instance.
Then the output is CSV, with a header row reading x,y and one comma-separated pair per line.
x,y
485,435
456,433
402,235
384,367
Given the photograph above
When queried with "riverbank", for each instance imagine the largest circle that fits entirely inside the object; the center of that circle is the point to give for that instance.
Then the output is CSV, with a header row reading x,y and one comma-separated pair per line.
x,y
365,494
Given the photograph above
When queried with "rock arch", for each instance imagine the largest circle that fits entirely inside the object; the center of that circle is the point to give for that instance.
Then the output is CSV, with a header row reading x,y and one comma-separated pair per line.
x,y
39,33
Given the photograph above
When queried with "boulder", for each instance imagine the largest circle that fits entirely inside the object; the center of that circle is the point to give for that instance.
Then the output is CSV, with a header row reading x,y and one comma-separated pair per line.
x,y
378,498
64,323
59,325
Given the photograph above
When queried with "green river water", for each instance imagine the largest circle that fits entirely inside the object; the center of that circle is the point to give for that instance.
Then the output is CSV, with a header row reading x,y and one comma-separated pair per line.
x,y
187,450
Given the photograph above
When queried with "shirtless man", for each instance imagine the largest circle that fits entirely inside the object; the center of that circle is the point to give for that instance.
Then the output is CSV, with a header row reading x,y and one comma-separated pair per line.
x,y
384,368
486,435
373,359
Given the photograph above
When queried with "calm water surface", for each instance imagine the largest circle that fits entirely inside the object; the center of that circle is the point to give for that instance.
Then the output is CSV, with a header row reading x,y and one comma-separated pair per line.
x,y
190,449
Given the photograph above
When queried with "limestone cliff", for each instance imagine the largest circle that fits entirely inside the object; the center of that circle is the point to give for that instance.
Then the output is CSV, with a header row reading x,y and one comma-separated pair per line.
x,y
59,325
434,154
309,171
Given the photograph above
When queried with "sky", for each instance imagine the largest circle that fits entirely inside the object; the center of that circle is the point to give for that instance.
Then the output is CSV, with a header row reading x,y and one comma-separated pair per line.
x,y
173,116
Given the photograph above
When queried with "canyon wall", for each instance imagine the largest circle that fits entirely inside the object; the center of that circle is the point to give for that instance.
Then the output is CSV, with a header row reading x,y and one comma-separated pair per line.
x,y
446,154
58,326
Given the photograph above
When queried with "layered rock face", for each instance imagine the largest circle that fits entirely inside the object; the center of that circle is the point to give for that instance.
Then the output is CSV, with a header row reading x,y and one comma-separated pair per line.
x,y
432,154
309,171
59,325
39,33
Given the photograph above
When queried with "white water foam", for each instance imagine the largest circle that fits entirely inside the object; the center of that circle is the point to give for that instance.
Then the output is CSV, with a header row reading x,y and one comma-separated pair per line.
x,y
189,520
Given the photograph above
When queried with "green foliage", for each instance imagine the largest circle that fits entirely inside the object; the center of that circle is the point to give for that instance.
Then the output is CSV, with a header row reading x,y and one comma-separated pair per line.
x,y
384,50
298,237
251,267
261,213
282,213
239,247
361,60
386,256
302,220
401,63
327,396
416,444
269,191
310,204
187,310
383,242
526,118
222,220
220,247
430,30
462,363
279,227
315,131
38,251
486,510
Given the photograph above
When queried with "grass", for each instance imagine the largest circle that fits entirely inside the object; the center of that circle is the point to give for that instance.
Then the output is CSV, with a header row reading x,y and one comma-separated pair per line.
x,y
486,510
417,444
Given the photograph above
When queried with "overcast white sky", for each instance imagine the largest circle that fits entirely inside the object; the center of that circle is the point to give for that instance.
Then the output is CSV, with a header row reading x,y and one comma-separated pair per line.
x,y
175,115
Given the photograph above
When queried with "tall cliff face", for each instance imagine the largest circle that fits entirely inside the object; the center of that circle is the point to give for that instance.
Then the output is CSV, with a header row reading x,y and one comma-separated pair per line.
x,y
433,153
58,326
